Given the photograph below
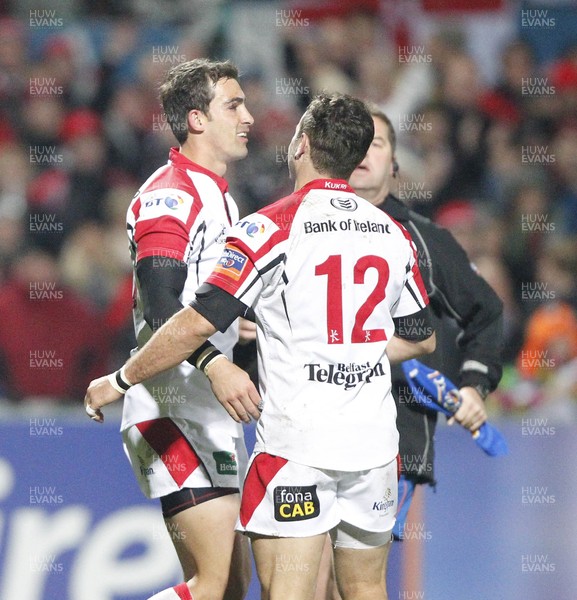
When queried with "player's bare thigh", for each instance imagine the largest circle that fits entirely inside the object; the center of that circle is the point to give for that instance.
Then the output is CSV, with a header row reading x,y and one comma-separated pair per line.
x,y
287,567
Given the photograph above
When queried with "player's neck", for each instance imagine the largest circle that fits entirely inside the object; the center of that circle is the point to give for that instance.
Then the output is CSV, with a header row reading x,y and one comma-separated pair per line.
x,y
307,174
204,158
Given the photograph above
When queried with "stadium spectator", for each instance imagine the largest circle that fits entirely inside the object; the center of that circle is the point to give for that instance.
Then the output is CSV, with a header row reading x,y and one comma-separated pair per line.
x,y
528,224
60,342
506,101
551,330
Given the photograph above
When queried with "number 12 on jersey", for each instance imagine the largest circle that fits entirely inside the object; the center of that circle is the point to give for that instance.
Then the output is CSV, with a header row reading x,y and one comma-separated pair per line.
x,y
332,268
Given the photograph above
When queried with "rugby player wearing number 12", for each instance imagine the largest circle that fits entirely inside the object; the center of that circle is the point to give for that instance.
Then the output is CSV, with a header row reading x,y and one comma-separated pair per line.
x,y
328,275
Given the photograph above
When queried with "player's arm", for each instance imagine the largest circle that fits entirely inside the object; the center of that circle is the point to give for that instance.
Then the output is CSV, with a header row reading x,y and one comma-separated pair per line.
x,y
212,310
161,284
188,330
172,343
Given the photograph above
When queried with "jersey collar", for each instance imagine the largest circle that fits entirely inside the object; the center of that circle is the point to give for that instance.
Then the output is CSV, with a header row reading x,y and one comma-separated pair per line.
x,y
333,185
180,161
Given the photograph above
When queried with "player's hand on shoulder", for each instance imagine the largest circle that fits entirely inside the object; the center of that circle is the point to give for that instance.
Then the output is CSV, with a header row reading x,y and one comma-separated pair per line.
x,y
472,412
99,393
234,389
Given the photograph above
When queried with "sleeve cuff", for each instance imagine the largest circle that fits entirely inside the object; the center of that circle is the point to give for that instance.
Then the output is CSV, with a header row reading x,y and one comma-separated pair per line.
x,y
475,379
217,306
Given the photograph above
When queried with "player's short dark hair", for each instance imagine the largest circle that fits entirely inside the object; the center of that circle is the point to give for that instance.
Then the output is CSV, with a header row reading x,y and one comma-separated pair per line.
x,y
340,129
188,86
379,114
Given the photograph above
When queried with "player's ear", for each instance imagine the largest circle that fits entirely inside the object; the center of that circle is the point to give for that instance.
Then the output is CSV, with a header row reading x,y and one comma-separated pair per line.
x,y
196,120
303,146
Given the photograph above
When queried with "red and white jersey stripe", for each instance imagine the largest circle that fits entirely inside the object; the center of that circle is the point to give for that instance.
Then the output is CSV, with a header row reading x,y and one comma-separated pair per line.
x,y
326,272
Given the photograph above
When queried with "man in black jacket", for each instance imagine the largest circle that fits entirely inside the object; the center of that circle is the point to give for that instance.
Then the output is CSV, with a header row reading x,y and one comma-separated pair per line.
x,y
457,293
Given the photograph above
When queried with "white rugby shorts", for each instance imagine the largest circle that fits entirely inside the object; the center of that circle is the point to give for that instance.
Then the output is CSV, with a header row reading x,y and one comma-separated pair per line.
x,y
168,454
285,499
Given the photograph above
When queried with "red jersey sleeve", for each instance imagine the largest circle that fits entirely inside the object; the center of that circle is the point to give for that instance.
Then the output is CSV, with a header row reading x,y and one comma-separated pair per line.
x,y
164,220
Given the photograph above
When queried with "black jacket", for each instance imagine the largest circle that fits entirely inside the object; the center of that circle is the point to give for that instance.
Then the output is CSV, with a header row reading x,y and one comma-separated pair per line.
x,y
458,295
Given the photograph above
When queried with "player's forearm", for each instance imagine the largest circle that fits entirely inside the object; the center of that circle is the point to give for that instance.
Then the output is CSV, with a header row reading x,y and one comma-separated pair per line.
x,y
171,344
400,349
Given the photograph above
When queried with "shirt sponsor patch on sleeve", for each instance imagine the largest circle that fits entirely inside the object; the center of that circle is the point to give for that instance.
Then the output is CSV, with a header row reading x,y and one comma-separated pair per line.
x,y
255,230
231,263
167,202
173,202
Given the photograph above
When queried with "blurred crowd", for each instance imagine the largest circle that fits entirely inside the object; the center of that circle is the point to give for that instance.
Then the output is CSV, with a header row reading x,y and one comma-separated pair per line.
x,y
494,161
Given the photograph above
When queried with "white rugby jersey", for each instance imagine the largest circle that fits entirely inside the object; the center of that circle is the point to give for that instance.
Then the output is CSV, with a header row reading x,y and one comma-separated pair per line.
x,y
182,211
325,272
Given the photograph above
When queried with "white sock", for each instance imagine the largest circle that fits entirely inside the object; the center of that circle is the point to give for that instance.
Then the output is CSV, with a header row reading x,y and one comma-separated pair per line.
x,y
180,592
